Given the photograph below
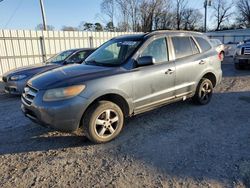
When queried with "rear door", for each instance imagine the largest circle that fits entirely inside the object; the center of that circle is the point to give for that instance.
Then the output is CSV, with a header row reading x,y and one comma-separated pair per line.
x,y
189,64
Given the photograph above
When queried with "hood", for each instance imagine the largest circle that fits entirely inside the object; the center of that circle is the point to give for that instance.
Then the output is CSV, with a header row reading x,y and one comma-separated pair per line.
x,y
243,45
31,70
70,75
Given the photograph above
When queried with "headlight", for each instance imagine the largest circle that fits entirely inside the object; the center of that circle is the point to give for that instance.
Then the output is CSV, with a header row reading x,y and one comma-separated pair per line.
x,y
18,77
63,93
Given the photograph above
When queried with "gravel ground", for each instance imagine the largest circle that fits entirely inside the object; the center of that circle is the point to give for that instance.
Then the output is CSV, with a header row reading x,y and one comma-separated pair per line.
x,y
180,145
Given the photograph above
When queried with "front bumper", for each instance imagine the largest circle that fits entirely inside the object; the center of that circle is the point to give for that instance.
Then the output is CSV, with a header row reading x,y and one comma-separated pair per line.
x,y
242,59
14,87
64,115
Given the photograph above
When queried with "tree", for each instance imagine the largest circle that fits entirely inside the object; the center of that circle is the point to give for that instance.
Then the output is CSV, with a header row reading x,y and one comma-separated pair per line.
x,y
146,12
154,14
98,27
108,8
110,27
69,28
243,7
191,19
222,11
122,6
49,27
86,26
133,11
180,7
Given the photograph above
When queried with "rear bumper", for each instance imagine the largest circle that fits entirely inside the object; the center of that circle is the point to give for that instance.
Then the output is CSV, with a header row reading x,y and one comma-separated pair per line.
x,y
64,115
218,77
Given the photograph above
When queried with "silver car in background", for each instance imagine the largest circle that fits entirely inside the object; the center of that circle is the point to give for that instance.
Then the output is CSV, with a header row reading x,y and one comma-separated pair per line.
x,y
15,80
219,47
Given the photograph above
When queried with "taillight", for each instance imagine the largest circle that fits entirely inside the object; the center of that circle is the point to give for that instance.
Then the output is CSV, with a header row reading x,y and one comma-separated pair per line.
x,y
220,56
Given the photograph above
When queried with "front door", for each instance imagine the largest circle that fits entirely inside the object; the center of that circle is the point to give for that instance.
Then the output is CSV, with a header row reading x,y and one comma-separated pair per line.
x,y
154,84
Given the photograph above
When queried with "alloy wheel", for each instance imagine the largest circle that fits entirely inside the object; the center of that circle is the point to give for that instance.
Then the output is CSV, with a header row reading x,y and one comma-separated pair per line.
x,y
106,123
206,92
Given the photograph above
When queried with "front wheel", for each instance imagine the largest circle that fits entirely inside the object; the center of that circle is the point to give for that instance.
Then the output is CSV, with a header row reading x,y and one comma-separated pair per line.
x,y
203,92
103,122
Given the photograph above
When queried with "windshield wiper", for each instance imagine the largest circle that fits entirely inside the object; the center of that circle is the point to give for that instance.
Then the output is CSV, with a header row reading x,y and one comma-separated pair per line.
x,y
93,62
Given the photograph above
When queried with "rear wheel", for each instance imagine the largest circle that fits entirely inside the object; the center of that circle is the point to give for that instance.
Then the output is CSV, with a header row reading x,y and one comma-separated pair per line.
x,y
103,122
203,92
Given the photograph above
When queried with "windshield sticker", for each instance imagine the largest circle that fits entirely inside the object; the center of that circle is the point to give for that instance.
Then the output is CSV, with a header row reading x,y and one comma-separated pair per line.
x,y
128,43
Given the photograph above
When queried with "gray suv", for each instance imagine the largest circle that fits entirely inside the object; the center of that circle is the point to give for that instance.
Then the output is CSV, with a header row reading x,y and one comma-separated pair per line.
x,y
126,76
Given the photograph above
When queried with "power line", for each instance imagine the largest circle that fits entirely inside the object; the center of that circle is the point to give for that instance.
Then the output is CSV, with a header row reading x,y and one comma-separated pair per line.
x,y
14,12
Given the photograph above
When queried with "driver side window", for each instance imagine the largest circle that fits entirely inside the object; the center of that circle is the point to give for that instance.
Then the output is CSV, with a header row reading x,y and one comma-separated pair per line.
x,y
158,50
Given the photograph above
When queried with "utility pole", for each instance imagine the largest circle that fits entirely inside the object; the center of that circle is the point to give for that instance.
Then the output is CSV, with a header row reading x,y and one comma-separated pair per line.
x,y
43,16
206,4
178,15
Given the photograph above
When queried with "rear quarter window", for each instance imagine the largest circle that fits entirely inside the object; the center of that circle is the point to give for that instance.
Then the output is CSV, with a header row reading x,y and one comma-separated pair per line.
x,y
203,43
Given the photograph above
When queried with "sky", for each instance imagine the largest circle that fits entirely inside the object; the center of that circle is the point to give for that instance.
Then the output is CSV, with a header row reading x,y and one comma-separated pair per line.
x,y
26,14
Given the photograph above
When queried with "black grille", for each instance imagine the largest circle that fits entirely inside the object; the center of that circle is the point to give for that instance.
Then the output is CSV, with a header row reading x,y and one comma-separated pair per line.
x,y
29,95
246,51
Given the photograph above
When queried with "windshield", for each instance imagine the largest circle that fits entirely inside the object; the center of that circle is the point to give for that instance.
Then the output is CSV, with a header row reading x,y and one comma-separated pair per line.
x,y
113,53
58,58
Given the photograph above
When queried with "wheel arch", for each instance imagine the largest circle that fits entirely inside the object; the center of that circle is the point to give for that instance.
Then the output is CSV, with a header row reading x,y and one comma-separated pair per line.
x,y
116,98
211,76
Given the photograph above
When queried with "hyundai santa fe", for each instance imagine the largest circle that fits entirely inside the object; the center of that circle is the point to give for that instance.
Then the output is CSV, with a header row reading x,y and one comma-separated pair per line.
x,y
126,76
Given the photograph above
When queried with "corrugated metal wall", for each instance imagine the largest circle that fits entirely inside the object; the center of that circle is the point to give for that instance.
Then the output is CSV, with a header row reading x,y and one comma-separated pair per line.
x,y
25,47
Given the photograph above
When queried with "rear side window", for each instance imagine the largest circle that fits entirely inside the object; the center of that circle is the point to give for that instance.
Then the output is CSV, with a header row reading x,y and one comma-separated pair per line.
x,y
203,43
182,47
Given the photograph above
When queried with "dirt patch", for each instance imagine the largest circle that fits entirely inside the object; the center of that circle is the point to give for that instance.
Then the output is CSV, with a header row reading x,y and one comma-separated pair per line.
x,y
244,169
180,145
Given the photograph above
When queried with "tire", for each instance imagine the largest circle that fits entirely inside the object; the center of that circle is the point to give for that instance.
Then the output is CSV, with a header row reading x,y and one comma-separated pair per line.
x,y
238,66
204,92
97,122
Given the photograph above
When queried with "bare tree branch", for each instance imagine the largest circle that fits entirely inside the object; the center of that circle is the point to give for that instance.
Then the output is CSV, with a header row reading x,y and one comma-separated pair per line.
x,y
222,12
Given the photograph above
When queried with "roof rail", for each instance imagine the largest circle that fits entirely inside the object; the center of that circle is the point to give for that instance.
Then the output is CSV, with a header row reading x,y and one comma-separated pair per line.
x,y
168,31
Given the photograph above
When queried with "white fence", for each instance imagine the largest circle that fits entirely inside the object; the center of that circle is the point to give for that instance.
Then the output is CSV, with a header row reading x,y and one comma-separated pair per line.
x,y
25,47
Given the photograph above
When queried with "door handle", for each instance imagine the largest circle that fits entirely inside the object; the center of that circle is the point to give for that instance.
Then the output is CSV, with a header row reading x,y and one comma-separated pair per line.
x,y
202,62
169,71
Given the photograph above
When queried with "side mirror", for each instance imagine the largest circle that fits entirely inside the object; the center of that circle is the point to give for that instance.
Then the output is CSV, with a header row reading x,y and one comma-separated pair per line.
x,y
145,60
